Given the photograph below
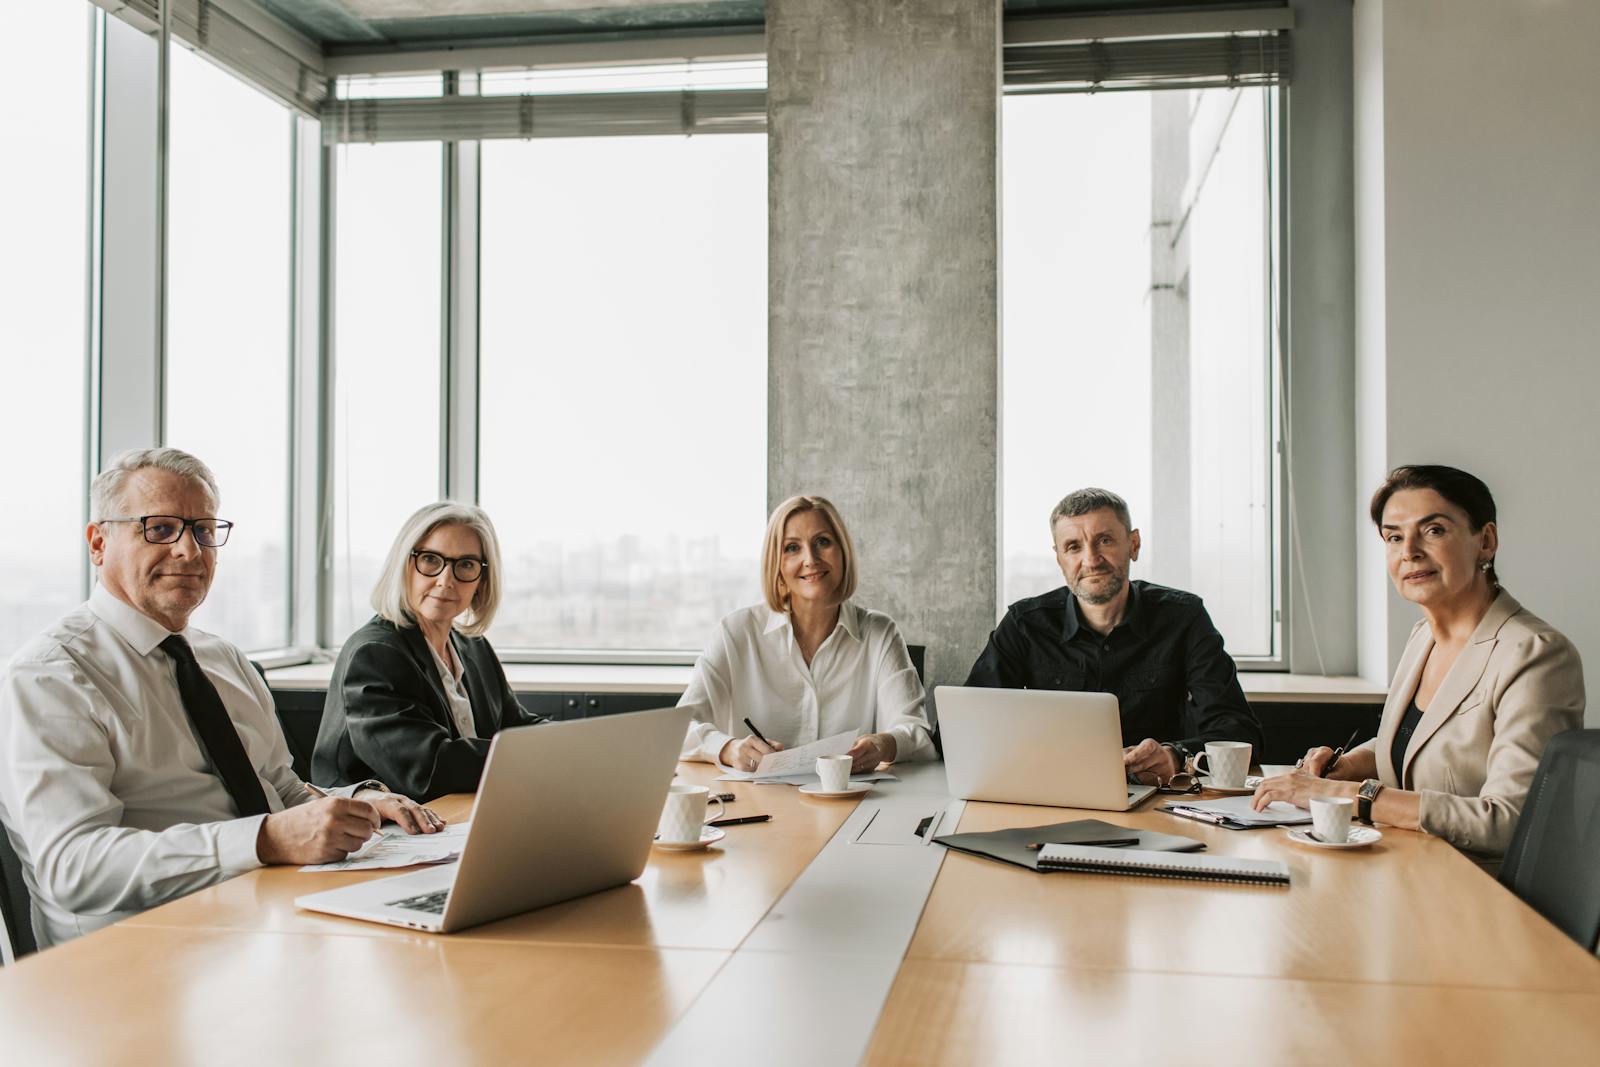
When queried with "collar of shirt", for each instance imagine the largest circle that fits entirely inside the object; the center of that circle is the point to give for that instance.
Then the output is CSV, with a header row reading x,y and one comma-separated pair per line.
x,y
453,669
849,620
1132,619
142,633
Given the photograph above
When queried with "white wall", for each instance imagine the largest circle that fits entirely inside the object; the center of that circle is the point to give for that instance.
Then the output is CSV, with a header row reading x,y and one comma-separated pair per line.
x,y
1478,284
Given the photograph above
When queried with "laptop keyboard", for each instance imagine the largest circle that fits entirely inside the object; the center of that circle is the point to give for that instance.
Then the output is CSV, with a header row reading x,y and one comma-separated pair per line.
x,y
433,901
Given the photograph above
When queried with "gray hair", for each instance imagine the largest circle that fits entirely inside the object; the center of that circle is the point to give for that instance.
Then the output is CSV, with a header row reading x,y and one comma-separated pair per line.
x,y
389,595
1084,501
105,493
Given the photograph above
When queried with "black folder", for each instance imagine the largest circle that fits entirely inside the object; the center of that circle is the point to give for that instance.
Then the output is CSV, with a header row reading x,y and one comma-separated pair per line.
x,y
1011,846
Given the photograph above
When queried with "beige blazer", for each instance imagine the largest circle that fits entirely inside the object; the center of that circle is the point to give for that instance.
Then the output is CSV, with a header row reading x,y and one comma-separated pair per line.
x,y
1516,684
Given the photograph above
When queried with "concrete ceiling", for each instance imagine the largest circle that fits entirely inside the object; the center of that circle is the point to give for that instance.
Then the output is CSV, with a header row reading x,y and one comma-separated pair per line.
x,y
371,25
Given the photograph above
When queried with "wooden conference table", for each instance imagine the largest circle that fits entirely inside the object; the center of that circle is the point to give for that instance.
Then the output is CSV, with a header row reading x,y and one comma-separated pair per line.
x,y
1402,953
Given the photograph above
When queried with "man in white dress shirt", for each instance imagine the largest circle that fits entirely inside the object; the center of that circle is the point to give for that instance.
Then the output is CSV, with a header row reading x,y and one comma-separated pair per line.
x,y
141,759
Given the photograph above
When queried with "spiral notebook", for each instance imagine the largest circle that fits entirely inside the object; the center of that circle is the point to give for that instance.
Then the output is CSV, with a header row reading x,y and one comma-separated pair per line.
x,y
1092,860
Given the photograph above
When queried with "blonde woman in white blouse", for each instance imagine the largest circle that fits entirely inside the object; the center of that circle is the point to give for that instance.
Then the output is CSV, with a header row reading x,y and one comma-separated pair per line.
x,y
807,663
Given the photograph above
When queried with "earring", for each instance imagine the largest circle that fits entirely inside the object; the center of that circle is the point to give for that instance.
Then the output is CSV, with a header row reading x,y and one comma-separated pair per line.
x,y
1486,565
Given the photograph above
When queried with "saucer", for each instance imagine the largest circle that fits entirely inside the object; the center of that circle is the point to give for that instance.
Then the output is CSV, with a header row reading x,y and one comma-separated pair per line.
x,y
708,835
1232,791
1360,837
855,790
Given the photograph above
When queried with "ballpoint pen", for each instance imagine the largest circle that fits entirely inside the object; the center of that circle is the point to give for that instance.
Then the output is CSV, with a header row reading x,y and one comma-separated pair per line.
x,y
1338,752
1212,817
322,794
756,733
736,820
1105,842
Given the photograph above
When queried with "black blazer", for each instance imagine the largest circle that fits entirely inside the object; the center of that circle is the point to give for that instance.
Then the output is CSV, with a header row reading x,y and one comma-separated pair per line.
x,y
386,715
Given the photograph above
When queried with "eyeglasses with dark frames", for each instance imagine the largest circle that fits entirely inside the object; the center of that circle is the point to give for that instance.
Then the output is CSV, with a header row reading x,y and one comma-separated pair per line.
x,y
168,529
465,568
1180,784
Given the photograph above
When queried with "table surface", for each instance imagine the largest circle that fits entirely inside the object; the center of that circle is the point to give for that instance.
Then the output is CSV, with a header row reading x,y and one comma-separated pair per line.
x,y
1406,950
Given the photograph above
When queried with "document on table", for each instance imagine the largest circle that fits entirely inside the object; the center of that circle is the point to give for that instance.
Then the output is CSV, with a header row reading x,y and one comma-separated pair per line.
x,y
396,848
801,760
798,766
1237,812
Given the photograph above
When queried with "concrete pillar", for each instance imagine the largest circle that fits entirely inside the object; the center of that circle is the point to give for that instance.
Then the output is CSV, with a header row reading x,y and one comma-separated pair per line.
x,y
1169,519
884,330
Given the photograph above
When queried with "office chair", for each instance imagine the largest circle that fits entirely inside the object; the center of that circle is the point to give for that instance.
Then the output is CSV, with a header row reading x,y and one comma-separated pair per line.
x,y
1553,863
300,717
919,657
16,916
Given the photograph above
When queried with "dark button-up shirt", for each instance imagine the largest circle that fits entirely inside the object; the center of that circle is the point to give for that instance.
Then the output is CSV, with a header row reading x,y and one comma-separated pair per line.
x,y
1164,663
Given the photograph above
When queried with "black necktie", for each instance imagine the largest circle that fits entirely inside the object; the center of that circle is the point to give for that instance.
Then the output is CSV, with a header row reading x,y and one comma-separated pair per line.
x,y
216,730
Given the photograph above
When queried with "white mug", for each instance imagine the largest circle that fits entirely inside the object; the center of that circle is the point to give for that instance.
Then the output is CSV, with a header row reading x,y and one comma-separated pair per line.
x,y
1226,762
834,772
684,815
1330,817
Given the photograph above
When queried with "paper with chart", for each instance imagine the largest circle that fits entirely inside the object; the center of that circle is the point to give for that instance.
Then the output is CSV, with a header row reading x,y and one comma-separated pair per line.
x,y
798,765
396,848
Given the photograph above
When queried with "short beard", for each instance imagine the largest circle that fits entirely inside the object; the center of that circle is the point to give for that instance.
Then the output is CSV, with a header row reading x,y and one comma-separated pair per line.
x,y
1111,593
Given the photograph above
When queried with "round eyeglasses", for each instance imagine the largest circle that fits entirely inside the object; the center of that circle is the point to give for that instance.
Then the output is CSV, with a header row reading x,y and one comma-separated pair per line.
x,y
168,529
430,564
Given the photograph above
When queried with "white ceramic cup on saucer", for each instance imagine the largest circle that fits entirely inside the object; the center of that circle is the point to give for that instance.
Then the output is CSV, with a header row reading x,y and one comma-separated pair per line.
x,y
1330,818
1226,763
834,772
684,815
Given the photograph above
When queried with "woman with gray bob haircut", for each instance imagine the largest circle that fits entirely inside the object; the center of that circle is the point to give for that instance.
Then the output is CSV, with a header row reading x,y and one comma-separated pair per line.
x,y
417,693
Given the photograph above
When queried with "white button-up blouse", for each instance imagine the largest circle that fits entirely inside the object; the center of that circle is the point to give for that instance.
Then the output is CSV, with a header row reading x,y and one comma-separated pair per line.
x,y
860,679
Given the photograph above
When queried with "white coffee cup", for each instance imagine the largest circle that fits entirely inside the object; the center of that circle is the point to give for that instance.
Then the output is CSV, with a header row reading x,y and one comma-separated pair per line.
x,y
834,772
1330,817
1226,762
684,815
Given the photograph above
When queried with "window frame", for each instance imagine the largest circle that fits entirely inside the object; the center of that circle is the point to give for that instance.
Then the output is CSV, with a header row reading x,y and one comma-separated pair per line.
x,y
123,358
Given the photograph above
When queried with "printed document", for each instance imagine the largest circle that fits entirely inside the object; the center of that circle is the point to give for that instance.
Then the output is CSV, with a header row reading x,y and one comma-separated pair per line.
x,y
1239,810
396,848
798,766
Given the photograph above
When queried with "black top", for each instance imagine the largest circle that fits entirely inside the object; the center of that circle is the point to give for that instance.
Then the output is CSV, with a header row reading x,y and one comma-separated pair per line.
x,y
1402,736
387,717
1164,662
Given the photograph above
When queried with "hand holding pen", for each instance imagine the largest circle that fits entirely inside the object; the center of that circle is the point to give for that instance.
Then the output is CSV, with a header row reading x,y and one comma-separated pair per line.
x,y
1308,761
745,754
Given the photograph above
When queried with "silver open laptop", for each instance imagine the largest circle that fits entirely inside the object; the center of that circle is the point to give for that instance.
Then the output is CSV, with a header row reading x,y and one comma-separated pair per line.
x,y
1035,746
563,809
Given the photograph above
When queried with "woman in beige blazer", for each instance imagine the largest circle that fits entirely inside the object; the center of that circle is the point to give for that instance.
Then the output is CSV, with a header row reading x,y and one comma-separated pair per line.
x,y
1483,683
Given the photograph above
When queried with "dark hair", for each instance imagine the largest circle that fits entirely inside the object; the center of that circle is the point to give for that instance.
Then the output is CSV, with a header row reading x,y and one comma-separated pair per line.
x,y
1464,490
1084,501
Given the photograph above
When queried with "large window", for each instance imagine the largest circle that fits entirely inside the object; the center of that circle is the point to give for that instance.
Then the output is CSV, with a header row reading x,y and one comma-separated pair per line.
x,y
624,377
228,282
44,219
387,358
1139,317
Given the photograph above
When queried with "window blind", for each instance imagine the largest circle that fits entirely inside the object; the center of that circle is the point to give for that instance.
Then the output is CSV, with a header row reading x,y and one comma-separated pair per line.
x,y
243,39
1233,59
480,118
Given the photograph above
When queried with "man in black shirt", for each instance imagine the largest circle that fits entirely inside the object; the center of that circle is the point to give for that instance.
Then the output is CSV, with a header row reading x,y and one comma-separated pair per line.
x,y
1154,648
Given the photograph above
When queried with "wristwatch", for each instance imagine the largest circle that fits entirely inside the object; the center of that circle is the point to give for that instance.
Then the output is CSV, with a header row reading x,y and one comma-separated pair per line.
x,y
1180,755
1365,796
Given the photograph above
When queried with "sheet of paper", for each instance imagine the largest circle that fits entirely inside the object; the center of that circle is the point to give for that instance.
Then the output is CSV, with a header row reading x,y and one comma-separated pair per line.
x,y
1239,810
803,779
802,760
396,848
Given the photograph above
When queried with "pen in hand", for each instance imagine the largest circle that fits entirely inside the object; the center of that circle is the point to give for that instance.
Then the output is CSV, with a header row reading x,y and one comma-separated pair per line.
x,y
322,794
1327,768
756,733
